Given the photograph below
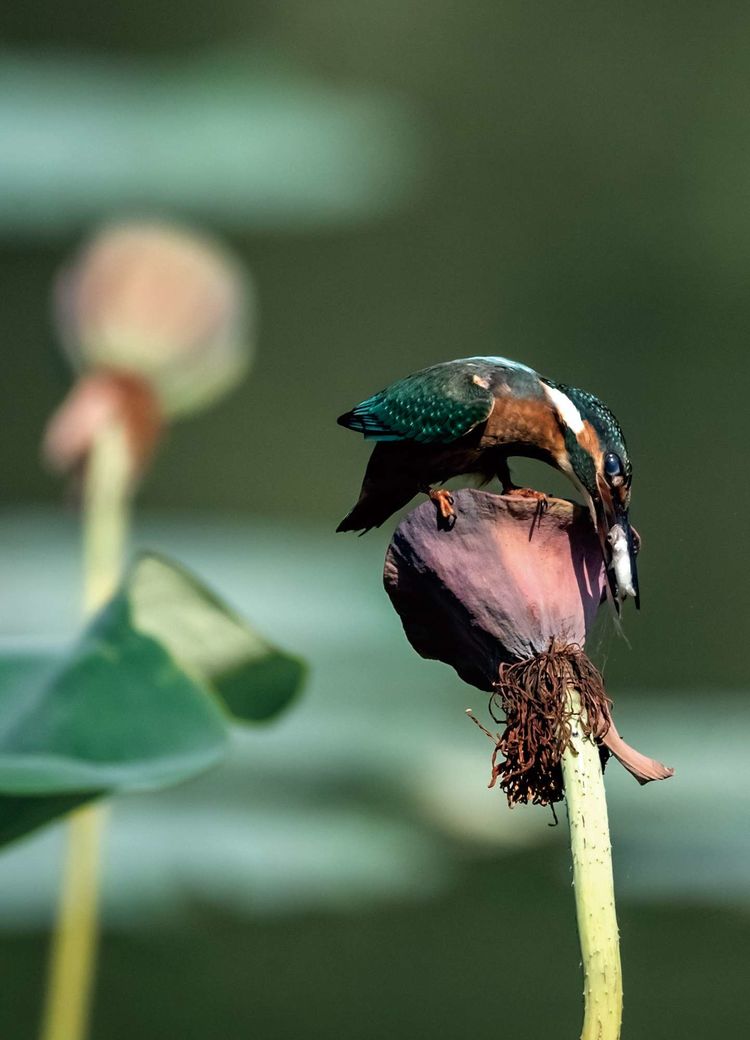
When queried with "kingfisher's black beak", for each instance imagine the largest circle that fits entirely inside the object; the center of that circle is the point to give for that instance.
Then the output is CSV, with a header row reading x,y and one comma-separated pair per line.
x,y
620,546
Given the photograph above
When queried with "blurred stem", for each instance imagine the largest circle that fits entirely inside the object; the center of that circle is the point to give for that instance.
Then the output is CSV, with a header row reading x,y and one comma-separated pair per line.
x,y
73,954
106,501
593,882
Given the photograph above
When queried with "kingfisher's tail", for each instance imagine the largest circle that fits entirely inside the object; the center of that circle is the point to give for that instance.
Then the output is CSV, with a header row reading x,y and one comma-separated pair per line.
x,y
374,508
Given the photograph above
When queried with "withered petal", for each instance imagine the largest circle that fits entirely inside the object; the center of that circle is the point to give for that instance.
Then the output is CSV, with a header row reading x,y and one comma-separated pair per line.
x,y
643,768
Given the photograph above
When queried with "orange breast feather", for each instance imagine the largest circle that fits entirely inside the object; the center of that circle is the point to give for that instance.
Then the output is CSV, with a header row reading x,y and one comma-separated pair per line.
x,y
524,421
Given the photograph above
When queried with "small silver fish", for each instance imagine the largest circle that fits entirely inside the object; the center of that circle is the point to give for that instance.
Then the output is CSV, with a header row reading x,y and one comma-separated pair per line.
x,y
620,562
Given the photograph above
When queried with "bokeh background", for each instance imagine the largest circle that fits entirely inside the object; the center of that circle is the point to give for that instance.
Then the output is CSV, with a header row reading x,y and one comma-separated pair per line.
x,y
411,181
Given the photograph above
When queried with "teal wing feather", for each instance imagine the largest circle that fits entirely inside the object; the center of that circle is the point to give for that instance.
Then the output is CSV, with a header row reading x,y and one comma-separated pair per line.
x,y
437,405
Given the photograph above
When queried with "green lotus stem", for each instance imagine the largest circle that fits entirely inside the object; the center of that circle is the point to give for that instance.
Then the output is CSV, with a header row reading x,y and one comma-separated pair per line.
x,y
73,954
593,881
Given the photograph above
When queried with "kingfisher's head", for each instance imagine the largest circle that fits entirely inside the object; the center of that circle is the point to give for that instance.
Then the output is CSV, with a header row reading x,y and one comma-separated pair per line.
x,y
596,459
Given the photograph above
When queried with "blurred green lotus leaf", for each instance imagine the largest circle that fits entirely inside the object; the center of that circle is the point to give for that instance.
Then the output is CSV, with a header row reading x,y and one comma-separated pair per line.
x,y
240,140
146,698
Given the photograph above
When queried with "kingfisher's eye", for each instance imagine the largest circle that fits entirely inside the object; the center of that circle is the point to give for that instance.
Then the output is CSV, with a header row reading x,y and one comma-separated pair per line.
x,y
612,464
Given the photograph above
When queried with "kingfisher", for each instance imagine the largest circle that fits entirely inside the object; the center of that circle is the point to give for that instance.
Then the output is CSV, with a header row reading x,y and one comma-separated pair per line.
x,y
468,417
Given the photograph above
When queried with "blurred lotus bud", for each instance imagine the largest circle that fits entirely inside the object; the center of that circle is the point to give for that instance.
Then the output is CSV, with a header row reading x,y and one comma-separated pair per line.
x,y
161,303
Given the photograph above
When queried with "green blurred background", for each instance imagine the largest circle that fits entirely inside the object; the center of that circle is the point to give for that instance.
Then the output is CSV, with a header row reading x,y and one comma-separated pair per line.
x,y
412,181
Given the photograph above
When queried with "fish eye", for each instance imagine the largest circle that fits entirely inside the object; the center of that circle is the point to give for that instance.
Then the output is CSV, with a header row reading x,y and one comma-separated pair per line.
x,y
612,464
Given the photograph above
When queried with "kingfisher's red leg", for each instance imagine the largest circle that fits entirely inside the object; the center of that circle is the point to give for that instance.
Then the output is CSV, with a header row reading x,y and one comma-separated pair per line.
x,y
444,501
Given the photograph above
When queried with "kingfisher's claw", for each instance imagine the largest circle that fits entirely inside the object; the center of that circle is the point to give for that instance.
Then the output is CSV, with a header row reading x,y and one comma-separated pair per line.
x,y
519,492
444,501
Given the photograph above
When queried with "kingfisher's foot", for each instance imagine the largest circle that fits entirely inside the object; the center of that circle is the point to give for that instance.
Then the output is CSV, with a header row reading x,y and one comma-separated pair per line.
x,y
519,492
444,502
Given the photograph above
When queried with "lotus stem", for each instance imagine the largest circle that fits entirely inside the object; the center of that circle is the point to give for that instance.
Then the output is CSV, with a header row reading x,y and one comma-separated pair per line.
x,y
593,880
106,497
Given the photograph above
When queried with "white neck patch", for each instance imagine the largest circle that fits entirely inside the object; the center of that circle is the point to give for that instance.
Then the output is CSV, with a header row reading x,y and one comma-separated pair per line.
x,y
565,408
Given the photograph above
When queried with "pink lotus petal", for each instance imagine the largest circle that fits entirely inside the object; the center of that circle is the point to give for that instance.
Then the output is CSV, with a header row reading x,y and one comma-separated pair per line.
x,y
510,589
498,586
93,402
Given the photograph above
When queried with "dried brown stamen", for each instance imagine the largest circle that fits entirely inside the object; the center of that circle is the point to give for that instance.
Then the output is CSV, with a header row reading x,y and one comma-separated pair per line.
x,y
531,696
